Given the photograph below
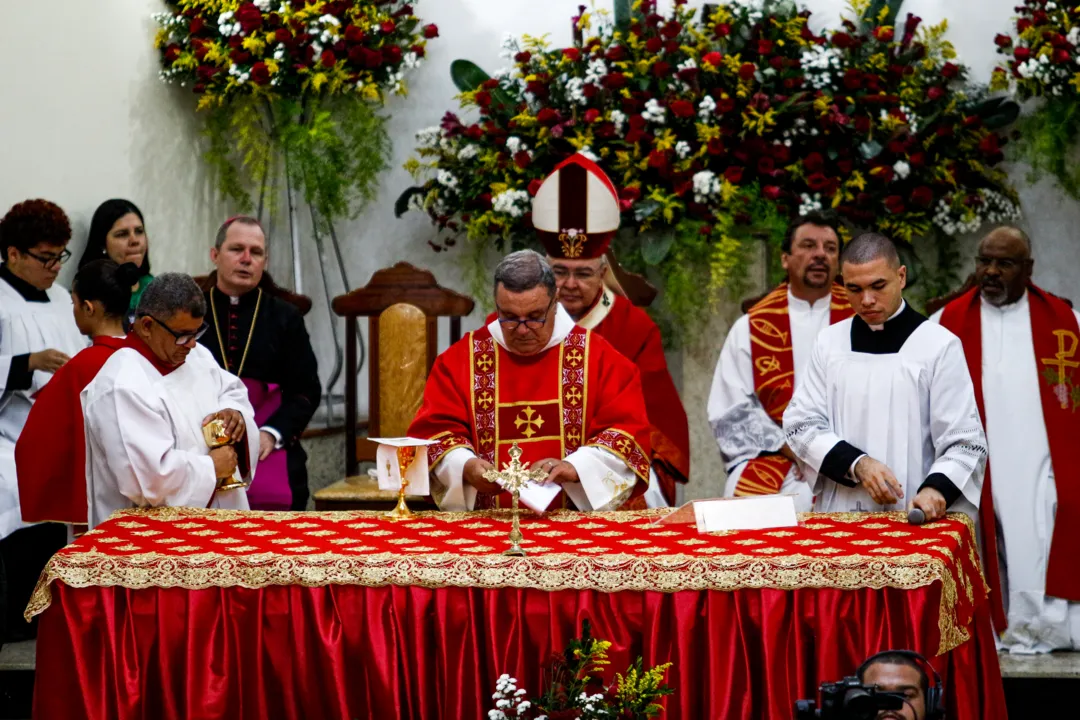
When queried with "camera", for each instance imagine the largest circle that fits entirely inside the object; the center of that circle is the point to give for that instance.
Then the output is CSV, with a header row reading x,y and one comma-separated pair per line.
x,y
848,699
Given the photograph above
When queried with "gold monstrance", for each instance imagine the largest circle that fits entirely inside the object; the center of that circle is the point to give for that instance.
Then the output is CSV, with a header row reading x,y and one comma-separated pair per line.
x,y
512,479
215,436
405,456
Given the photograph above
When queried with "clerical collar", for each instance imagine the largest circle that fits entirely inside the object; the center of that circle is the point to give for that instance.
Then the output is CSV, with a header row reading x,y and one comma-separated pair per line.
x,y
137,344
599,310
29,292
563,325
246,299
890,338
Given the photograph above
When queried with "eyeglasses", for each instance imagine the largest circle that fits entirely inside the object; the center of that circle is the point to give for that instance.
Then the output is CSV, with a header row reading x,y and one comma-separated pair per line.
x,y
530,323
51,261
1003,264
580,275
182,338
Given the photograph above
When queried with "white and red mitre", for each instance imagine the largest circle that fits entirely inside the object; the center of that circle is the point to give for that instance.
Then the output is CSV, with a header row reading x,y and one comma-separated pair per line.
x,y
576,210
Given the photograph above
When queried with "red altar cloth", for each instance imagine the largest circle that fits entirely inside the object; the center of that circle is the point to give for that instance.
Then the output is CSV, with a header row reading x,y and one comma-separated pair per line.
x,y
217,614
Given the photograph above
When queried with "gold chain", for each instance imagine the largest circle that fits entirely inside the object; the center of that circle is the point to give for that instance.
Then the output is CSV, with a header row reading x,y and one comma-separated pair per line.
x,y
251,333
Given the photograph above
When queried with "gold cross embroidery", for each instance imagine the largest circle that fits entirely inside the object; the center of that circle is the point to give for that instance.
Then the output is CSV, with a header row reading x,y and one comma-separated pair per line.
x,y
623,445
573,396
485,399
1063,361
484,362
574,358
528,419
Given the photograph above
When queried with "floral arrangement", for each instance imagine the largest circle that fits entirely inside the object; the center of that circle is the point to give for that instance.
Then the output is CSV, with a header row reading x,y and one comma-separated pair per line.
x,y
1043,61
300,79
576,691
716,129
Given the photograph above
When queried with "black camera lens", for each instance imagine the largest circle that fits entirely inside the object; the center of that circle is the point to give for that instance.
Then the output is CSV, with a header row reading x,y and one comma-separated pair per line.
x,y
860,704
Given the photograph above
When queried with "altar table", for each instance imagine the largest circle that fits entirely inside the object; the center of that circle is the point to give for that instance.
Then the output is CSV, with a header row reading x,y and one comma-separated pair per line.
x,y
180,613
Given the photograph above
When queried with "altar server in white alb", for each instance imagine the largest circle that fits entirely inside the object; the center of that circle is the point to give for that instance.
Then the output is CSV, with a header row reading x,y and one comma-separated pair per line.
x,y
1023,350
146,408
885,415
764,357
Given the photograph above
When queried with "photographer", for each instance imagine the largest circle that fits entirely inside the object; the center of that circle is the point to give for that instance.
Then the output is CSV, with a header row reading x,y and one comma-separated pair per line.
x,y
900,672
892,685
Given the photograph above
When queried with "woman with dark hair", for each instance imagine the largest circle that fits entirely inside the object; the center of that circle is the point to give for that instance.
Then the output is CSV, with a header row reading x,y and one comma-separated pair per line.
x,y
118,233
50,455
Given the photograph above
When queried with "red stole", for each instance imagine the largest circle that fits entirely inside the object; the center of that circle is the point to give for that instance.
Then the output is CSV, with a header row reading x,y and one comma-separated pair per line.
x,y
774,378
50,456
1056,338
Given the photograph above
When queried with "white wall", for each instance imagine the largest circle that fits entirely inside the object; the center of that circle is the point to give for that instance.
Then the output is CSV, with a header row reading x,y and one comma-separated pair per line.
x,y
83,118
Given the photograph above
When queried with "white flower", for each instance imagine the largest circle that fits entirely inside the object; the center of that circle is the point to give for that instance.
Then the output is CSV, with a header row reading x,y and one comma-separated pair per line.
x,y
589,154
618,118
514,144
429,137
263,5
329,20
468,152
510,46
688,65
902,169
706,108
513,203
682,149
446,179
596,71
654,112
809,203
575,91
706,185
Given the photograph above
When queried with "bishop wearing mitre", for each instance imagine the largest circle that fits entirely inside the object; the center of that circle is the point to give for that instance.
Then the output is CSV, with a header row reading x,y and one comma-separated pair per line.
x,y
571,402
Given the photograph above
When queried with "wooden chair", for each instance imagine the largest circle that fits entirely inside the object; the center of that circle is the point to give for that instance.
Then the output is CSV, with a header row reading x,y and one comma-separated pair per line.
x,y
634,287
402,305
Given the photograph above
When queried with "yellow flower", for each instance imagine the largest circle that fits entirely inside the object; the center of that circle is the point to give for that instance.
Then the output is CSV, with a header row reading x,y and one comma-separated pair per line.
x,y
254,44
757,121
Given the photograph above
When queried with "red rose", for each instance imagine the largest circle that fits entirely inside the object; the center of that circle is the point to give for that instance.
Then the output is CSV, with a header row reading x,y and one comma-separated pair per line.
x,y
853,79
589,91
249,17
945,131
490,84
776,62
196,25
1022,24
715,146
990,145
523,57
372,58
260,75
884,34
845,166
764,47
285,37
616,53
781,153
653,45
725,104
746,71
1061,56
842,40
206,73
682,109
722,30
734,174
813,162
1040,18
658,159
431,31
392,54
534,186
353,35
922,196
894,204
671,47
949,70
327,58
661,68
817,182
419,50
671,29
862,124
537,88
592,115
172,53
917,160
614,81
1003,41
628,196
884,173
714,58
935,93
1022,53
388,27
483,99
572,54
522,159
474,132
547,117
772,192
766,165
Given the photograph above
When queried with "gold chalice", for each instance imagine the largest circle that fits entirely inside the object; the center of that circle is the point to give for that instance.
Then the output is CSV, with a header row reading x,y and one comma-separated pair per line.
x,y
405,457
215,436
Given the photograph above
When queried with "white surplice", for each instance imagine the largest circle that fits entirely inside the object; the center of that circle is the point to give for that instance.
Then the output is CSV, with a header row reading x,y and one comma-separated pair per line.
x,y
1025,496
596,467
742,428
144,441
912,408
27,327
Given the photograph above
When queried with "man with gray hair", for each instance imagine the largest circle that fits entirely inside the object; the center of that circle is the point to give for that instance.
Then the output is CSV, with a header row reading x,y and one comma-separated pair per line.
x,y
885,417
1021,344
567,398
146,410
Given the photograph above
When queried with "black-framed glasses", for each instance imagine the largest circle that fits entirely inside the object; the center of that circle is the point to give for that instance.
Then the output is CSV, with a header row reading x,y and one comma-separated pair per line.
x,y
183,338
1003,264
530,323
51,261
583,275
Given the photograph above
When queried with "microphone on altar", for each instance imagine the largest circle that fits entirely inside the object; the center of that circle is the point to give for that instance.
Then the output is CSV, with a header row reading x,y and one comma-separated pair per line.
x,y
916,516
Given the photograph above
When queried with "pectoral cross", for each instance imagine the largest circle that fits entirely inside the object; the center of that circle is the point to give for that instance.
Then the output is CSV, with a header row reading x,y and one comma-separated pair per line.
x,y
513,478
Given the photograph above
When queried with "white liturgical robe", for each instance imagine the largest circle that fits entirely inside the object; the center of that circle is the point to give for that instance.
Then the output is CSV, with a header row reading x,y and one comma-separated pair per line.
x,y
742,427
29,323
1025,496
144,441
900,394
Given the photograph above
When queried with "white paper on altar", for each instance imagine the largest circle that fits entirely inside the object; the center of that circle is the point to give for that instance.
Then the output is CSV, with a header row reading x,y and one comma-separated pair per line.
x,y
741,513
388,470
537,496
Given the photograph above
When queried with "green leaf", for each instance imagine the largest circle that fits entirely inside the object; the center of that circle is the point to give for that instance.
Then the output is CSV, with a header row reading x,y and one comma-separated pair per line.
x,y
401,205
997,113
645,209
870,149
870,21
468,77
622,15
911,260
655,246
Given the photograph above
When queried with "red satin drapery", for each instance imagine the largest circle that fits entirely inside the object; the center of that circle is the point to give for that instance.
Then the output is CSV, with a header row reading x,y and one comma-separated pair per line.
x,y
344,651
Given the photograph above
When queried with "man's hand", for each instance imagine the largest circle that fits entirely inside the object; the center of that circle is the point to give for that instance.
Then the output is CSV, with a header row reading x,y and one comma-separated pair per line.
x,y
931,502
225,461
234,423
267,444
879,481
559,472
47,361
474,475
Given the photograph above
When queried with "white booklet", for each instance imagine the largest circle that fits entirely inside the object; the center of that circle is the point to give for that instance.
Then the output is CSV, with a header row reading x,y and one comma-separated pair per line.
x,y
759,512
388,469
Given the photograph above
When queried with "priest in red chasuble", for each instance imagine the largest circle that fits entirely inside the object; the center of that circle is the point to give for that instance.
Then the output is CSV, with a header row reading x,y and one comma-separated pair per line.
x,y
570,400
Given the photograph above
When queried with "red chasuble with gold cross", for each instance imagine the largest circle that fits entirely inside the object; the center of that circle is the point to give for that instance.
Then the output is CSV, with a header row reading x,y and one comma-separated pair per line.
x,y
578,394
